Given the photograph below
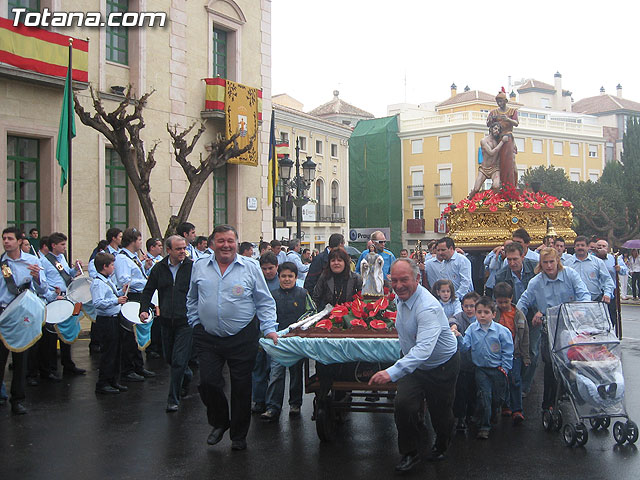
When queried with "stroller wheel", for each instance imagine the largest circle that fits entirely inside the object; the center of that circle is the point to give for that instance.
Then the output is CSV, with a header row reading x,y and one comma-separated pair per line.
x,y
605,422
582,434
632,431
557,420
569,435
547,420
619,433
595,423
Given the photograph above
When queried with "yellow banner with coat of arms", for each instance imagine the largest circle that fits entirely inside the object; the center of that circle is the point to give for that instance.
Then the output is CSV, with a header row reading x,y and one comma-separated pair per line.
x,y
241,109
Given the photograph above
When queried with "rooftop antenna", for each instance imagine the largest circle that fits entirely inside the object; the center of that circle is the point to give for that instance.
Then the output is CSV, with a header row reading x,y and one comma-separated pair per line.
x,y
405,86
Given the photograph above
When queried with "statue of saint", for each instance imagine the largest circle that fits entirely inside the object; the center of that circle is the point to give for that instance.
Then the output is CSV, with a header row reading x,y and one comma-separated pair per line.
x,y
491,146
507,118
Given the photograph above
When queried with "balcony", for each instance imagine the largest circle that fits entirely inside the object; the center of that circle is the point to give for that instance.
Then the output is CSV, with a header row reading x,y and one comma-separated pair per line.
x,y
312,212
215,101
415,225
443,190
480,118
415,191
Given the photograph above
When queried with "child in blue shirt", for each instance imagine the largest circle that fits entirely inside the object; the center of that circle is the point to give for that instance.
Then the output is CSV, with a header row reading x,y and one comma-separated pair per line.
x,y
444,291
107,301
491,348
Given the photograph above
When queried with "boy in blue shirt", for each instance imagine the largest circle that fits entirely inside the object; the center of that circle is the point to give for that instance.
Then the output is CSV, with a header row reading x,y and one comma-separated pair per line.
x,y
107,301
491,348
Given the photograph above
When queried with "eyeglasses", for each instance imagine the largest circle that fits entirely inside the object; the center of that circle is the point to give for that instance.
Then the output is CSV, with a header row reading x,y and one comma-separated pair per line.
x,y
380,241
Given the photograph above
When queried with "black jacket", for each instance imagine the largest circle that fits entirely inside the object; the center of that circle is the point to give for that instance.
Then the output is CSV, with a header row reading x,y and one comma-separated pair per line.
x,y
324,291
291,304
315,270
528,267
173,297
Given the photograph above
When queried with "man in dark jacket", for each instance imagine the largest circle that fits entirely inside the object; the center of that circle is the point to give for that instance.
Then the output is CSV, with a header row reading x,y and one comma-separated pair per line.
x,y
171,277
518,272
321,261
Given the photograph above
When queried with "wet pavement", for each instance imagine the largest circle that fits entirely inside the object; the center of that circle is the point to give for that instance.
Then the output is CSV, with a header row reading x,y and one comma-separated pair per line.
x,y
71,433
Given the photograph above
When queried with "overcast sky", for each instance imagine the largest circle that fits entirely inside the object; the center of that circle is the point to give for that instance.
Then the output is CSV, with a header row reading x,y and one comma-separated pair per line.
x,y
365,49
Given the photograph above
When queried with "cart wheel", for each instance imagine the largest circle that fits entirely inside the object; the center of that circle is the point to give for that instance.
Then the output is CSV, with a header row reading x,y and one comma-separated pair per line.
x,y
632,431
557,420
595,423
325,424
605,422
569,435
547,420
619,433
582,434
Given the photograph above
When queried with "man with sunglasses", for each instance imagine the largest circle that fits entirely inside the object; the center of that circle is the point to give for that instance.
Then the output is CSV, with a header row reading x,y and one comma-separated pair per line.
x,y
379,242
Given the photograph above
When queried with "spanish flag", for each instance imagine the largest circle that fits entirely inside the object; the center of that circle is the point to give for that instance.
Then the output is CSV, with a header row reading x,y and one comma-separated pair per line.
x,y
42,51
272,176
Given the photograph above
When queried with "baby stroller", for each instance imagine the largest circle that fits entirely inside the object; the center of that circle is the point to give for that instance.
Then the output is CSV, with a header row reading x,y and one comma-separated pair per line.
x,y
586,359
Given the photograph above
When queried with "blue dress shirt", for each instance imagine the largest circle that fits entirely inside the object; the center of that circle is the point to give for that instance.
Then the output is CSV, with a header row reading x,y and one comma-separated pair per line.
x,y
491,266
386,255
543,292
54,279
128,271
424,334
492,348
282,257
457,269
610,263
225,304
451,307
21,275
594,274
104,295
297,259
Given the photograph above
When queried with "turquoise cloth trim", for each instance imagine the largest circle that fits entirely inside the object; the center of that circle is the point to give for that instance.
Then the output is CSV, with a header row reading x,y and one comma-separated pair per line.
x,y
290,350
142,333
21,323
89,310
69,330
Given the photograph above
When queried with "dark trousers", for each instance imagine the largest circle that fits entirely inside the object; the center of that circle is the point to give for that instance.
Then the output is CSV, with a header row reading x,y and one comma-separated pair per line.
x,y
19,372
33,359
176,348
48,352
130,357
156,339
463,404
260,376
635,284
109,331
239,352
550,384
438,386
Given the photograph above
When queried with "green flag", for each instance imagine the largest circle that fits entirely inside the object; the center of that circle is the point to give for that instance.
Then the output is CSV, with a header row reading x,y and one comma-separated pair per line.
x,y
64,135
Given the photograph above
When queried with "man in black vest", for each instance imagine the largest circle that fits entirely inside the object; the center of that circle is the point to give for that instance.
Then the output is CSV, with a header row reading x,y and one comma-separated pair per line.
x,y
171,277
322,259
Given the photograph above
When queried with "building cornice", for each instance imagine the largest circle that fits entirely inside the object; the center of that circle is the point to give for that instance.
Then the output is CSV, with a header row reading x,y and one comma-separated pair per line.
x,y
303,120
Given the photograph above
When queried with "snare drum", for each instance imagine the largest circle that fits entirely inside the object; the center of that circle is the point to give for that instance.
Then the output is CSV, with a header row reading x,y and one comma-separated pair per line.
x,y
79,291
62,319
130,321
21,322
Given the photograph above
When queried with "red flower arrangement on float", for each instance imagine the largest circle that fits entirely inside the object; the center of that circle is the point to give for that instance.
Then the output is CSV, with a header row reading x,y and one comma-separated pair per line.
x,y
507,195
379,314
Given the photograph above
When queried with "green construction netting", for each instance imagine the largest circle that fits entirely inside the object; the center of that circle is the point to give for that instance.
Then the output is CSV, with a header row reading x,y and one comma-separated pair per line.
x,y
375,178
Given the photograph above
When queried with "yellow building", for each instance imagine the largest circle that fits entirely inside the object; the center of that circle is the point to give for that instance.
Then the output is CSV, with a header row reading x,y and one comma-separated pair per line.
x,y
440,151
228,39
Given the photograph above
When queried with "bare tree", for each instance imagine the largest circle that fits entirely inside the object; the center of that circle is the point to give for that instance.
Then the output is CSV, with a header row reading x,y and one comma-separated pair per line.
x,y
122,128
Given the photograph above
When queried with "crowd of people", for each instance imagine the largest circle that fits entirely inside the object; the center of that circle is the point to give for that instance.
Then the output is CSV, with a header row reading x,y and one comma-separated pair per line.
x,y
471,351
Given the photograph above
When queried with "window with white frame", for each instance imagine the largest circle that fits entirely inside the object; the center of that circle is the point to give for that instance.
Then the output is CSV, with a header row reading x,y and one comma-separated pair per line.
x,y
520,144
418,211
417,183
284,137
536,146
318,147
416,146
302,143
444,189
444,143
609,152
574,175
574,149
334,150
593,176
557,148
593,151
442,207
521,172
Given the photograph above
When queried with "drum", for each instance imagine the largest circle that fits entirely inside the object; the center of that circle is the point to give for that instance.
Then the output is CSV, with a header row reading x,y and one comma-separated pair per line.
x,y
21,322
79,291
130,321
58,311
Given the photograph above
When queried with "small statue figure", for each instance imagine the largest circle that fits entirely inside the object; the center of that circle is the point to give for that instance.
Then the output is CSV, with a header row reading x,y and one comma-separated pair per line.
x,y
491,146
372,275
508,118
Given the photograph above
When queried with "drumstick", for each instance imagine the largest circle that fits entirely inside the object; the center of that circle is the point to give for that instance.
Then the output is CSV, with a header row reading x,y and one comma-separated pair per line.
x,y
126,291
34,252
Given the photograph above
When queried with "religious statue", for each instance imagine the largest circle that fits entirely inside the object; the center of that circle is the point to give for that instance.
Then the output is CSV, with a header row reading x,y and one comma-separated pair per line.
x,y
507,118
491,146
372,275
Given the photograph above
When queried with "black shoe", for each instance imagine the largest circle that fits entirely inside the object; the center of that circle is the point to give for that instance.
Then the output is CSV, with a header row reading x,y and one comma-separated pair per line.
x,y
52,377
122,388
32,381
153,355
184,391
437,454
259,407
238,445
216,435
461,426
133,377
107,389
146,373
171,408
74,371
408,462
18,409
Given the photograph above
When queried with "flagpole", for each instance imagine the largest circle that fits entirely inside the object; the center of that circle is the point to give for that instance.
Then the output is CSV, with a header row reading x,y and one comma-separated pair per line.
x,y
70,143
274,161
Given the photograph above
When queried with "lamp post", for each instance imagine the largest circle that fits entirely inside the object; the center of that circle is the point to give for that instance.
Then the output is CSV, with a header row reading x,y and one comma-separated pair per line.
x,y
300,183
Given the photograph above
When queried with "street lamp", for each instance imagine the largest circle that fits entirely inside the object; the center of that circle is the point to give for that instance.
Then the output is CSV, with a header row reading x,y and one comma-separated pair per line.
x,y
300,183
